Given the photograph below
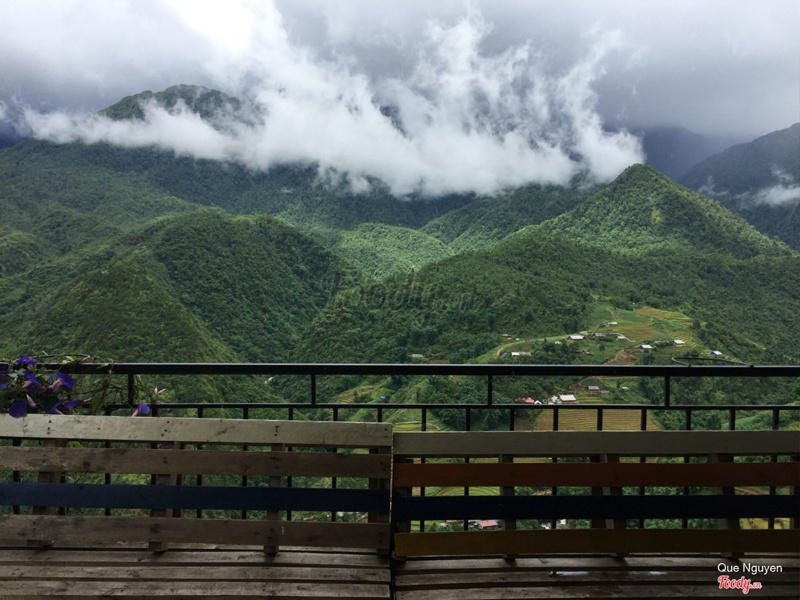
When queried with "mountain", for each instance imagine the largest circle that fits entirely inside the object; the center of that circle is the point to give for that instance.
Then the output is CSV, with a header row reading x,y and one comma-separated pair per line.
x,y
759,180
767,161
643,211
383,250
485,221
201,286
674,150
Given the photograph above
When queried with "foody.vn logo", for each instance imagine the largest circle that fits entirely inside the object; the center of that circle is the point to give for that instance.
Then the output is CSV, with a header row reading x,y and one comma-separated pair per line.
x,y
726,583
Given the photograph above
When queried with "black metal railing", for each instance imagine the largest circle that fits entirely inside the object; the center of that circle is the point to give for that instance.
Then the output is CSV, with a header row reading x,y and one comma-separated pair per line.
x,y
667,373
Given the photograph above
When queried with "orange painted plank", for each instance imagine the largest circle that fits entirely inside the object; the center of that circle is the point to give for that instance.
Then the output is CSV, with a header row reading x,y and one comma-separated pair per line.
x,y
589,541
596,474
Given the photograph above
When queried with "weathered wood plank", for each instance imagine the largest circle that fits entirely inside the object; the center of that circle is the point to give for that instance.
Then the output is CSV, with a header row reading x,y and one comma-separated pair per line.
x,y
198,431
558,592
167,497
91,530
587,443
549,507
233,572
595,474
195,462
208,590
593,541
479,579
605,563
113,556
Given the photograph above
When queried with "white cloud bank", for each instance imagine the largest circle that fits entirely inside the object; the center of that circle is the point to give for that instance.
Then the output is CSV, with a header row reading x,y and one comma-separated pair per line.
x,y
462,120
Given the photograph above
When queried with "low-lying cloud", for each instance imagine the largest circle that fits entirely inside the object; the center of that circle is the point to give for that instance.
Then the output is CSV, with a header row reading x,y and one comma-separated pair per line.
x,y
462,120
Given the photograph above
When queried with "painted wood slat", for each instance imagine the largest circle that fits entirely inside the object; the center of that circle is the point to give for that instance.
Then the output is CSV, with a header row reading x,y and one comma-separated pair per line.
x,y
592,507
604,541
200,431
196,462
93,530
156,497
594,474
590,443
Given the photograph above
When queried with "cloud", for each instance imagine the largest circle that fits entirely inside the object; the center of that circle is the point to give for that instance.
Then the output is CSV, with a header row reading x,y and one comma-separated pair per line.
x,y
779,194
461,120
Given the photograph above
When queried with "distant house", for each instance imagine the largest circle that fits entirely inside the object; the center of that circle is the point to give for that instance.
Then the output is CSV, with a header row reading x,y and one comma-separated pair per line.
x,y
418,357
575,338
597,335
679,342
593,388
621,338
610,323
645,347
567,398
716,353
520,354
488,525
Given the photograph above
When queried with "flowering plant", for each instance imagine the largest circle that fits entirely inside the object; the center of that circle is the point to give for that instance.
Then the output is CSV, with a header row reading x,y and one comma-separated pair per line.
x,y
27,385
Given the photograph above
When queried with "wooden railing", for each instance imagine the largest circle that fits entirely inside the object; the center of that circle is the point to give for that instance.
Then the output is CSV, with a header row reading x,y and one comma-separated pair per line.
x,y
66,459
639,476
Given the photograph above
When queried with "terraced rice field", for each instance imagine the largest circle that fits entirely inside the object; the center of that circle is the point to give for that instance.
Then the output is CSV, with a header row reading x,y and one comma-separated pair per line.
x,y
586,420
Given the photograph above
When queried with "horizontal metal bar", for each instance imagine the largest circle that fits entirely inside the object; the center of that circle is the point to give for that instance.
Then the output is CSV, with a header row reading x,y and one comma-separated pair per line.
x,y
433,369
411,405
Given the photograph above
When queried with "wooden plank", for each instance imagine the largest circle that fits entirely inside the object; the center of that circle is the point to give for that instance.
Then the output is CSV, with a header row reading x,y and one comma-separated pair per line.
x,y
547,507
462,543
209,590
166,497
594,474
560,591
198,431
479,579
588,443
631,563
233,572
195,462
93,530
112,555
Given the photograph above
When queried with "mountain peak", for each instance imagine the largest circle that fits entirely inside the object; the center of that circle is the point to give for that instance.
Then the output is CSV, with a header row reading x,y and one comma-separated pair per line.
x,y
643,211
205,102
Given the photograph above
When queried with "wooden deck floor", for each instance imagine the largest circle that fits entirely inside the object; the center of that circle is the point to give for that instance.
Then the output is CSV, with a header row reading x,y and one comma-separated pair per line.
x,y
239,572
586,577
211,573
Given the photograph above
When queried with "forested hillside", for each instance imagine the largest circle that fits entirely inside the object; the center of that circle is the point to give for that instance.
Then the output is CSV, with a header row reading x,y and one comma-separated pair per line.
x,y
759,180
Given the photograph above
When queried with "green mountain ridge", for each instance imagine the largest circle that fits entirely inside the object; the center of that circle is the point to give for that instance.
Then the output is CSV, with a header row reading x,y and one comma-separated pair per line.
x,y
643,211
742,177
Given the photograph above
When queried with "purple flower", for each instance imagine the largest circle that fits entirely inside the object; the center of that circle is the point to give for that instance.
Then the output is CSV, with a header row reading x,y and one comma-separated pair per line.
x,y
18,408
70,405
54,410
141,409
26,361
65,379
33,381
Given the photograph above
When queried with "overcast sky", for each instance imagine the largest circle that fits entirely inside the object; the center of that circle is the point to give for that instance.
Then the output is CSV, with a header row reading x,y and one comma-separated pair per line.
x,y
518,90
